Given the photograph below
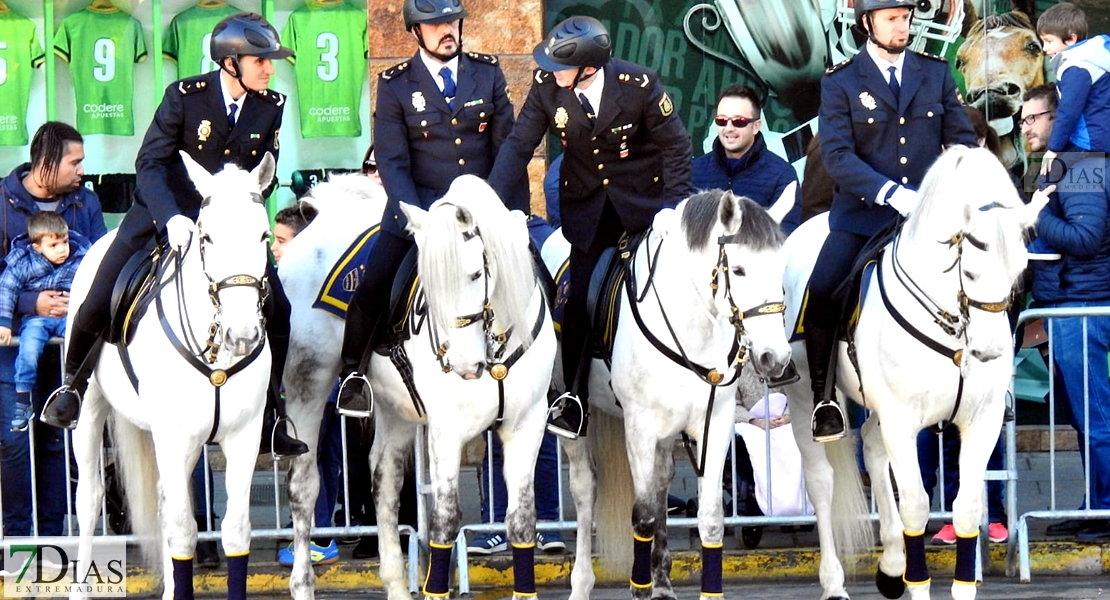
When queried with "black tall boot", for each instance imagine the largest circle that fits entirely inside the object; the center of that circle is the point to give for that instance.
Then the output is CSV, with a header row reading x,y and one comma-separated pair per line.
x,y
569,414
63,406
275,436
828,422
356,399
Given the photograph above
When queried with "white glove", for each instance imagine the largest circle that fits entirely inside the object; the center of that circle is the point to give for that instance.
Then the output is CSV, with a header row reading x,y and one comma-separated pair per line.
x,y
904,200
1046,162
178,230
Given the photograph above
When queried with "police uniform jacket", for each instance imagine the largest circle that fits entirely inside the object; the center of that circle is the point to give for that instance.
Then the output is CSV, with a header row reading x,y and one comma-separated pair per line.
x,y
422,144
192,117
867,140
636,154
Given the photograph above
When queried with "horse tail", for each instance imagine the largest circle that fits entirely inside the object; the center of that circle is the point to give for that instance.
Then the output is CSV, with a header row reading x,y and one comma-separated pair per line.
x,y
138,472
850,511
613,507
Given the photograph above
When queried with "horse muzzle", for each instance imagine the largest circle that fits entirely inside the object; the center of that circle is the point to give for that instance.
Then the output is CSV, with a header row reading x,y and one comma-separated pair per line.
x,y
770,363
241,343
472,373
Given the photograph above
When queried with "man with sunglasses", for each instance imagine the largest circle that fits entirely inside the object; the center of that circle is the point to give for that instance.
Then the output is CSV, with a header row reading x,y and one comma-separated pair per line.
x,y
627,155
886,115
740,160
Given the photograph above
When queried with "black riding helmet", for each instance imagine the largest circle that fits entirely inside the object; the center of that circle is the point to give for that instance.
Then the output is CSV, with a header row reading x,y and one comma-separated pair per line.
x,y
865,7
245,34
433,12
577,42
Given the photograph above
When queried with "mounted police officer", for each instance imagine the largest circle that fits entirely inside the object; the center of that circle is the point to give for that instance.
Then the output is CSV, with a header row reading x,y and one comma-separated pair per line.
x,y
223,116
886,115
441,114
626,156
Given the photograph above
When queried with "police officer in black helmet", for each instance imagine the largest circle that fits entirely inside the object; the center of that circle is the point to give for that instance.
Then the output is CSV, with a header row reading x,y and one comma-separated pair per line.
x,y
228,115
440,114
626,156
886,115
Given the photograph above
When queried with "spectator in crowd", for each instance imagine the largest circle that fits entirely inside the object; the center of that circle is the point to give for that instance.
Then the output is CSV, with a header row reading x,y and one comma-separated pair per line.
x,y
50,182
740,161
289,222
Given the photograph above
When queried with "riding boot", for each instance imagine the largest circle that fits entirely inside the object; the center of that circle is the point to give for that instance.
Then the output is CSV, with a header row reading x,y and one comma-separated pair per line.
x,y
63,406
569,414
356,399
828,422
275,436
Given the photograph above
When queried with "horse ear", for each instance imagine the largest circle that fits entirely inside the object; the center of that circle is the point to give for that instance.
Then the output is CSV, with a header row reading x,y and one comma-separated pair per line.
x,y
465,217
782,206
265,171
415,216
730,213
200,176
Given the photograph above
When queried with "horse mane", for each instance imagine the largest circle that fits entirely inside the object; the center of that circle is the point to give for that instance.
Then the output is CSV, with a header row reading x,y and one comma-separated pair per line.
x,y
512,269
1013,18
700,214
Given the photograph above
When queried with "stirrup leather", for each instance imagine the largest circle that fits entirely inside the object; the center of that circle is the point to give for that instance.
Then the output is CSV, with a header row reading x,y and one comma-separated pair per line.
x,y
843,419
353,379
53,397
556,410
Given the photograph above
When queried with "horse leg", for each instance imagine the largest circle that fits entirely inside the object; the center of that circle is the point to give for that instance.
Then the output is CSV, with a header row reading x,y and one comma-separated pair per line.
x,y
710,509
88,443
444,458
912,499
642,445
892,561
241,451
176,460
977,441
521,446
304,488
583,482
393,440
661,553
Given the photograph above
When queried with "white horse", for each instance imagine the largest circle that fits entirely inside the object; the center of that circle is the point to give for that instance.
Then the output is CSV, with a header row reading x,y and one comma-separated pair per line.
x,y
933,344
480,348
706,283
349,205
183,395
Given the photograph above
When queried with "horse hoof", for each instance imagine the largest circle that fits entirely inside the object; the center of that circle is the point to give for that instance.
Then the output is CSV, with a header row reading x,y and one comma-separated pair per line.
x,y
889,587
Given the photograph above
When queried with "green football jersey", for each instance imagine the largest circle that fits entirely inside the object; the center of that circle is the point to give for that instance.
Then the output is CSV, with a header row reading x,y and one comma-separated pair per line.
x,y
186,41
330,45
20,51
101,48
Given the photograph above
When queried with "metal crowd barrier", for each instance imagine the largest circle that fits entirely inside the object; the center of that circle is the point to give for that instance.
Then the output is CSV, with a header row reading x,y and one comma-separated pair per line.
x,y
1053,511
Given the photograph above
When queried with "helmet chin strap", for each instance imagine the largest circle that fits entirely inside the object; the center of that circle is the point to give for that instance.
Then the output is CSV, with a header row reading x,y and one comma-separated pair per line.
x,y
236,73
875,40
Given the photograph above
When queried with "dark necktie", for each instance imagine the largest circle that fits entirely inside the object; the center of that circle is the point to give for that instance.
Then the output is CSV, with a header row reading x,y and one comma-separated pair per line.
x,y
587,106
233,108
448,85
894,87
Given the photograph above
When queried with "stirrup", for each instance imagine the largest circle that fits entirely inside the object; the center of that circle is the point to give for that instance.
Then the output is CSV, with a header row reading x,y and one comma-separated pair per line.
x,y
273,437
53,397
555,412
831,437
348,412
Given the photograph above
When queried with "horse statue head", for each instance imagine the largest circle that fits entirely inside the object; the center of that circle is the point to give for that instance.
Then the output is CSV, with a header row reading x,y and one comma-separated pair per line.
x,y
231,242
730,257
477,272
967,238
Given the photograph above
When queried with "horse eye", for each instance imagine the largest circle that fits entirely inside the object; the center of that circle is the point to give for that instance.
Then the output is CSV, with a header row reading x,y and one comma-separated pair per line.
x,y
739,271
475,276
206,238
1033,48
959,63
266,236
970,276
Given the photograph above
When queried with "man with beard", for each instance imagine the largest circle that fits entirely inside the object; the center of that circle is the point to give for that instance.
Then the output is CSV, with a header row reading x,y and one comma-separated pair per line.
x,y
441,114
50,182
886,114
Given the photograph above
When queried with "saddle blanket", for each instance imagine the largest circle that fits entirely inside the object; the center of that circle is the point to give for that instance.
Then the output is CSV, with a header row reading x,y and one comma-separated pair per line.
x,y
342,281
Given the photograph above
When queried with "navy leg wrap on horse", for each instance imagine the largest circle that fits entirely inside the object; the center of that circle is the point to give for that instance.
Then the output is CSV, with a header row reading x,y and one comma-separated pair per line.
x,y
524,570
965,558
916,569
183,579
641,562
711,570
439,567
237,577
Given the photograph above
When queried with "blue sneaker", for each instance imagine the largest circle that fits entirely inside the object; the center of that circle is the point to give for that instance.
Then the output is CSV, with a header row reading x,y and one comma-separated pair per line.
x,y
321,555
487,543
22,418
551,542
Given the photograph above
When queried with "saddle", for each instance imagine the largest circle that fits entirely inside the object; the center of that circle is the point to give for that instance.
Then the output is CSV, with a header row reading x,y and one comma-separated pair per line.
x,y
133,292
603,301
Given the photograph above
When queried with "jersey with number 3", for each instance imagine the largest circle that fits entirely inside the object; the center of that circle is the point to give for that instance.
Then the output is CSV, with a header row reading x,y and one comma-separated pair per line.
x,y
20,51
329,42
186,41
102,48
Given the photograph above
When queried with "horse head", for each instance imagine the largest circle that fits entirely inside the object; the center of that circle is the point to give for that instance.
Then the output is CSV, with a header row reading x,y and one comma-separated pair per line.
x,y
477,272
232,238
1000,60
736,266
970,226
